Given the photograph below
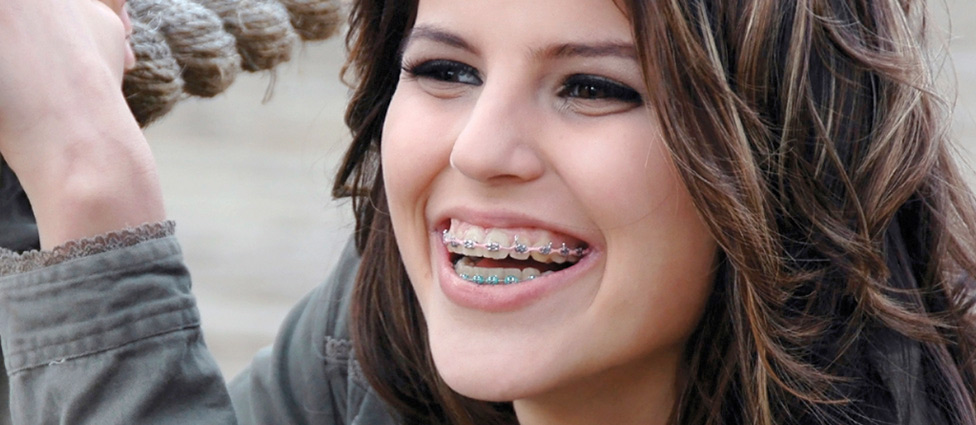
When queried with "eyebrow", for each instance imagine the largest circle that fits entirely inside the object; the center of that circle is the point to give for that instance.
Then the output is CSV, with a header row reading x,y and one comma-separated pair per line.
x,y
623,50
560,51
435,34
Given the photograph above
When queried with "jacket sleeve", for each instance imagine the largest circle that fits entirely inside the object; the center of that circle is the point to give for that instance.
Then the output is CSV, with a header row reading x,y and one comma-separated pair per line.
x,y
112,336
109,338
310,375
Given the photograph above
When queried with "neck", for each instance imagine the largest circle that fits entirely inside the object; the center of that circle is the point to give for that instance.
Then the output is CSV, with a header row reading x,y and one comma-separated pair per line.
x,y
641,393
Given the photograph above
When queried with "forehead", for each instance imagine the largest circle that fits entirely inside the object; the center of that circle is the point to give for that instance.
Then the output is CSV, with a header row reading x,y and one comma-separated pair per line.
x,y
527,22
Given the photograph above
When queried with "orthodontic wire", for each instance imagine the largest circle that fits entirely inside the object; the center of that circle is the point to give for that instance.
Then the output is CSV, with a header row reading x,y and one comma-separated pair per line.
x,y
478,279
564,250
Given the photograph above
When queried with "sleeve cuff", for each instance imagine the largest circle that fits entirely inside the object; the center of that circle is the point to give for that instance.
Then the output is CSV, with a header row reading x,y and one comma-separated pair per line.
x,y
13,263
95,302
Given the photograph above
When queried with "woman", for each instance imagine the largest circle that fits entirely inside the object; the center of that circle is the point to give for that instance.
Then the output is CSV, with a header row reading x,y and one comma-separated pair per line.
x,y
568,212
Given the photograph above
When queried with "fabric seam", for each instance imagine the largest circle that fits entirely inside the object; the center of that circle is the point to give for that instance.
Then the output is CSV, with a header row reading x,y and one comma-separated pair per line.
x,y
35,365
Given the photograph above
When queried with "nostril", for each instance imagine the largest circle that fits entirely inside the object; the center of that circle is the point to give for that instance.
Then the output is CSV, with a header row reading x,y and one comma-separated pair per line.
x,y
496,141
497,162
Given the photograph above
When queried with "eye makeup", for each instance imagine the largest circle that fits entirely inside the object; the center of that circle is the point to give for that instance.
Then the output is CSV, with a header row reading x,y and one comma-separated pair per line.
x,y
443,70
594,87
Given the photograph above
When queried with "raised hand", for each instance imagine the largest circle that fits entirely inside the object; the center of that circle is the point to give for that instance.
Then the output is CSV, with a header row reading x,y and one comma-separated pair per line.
x,y
64,126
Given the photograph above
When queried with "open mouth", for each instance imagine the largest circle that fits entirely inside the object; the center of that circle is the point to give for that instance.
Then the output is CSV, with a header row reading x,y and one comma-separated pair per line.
x,y
508,256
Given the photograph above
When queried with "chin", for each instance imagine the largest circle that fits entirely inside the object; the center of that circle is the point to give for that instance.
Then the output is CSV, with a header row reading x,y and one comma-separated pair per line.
x,y
492,382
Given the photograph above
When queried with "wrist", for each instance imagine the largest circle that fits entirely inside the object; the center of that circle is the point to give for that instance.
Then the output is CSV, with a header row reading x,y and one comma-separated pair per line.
x,y
89,177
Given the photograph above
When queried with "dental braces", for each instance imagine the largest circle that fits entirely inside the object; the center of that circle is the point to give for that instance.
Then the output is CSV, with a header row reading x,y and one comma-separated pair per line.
x,y
517,247
493,279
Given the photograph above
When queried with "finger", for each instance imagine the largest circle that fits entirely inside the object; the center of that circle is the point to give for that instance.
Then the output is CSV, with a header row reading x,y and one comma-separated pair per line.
x,y
115,5
130,56
126,22
118,7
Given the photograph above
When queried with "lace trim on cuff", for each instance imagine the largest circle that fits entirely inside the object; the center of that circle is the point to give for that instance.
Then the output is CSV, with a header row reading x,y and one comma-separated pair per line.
x,y
12,262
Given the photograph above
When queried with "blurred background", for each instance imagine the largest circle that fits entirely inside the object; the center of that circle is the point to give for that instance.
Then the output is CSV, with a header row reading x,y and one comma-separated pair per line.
x,y
248,183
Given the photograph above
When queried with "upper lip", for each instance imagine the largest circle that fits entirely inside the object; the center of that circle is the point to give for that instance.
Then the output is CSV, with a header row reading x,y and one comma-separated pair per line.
x,y
501,219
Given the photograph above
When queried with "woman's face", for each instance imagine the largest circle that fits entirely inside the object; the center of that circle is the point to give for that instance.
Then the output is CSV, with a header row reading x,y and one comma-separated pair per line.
x,y
518,127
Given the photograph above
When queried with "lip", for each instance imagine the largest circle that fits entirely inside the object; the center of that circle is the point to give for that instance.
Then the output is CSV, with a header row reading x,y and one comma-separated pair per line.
x,y
504,220
503,298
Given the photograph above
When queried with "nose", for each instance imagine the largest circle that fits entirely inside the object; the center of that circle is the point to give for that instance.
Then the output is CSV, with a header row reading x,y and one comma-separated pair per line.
x,y
497,143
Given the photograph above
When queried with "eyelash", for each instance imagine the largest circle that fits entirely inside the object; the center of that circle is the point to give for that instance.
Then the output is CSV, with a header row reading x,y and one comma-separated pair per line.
x,y
576,86
584,86
443,70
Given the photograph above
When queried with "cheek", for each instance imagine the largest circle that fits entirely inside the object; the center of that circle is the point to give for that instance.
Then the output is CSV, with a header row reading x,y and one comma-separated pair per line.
x,y
659,273
417,140
418,134
621,173
415,149
660,256
409,152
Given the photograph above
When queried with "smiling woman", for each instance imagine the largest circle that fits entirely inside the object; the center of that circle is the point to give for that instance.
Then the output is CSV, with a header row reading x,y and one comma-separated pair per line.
x,y
770,227
568,211
540,132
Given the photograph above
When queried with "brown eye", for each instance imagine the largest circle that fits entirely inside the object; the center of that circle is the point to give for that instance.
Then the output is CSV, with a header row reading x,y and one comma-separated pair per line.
x,y
445,71
590,92
592,87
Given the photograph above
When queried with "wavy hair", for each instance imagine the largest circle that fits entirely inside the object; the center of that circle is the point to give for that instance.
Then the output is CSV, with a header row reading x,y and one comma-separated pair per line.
x,y
814,147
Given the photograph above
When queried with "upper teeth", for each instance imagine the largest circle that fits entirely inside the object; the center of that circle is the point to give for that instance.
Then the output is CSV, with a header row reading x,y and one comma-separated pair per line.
x,y
475,241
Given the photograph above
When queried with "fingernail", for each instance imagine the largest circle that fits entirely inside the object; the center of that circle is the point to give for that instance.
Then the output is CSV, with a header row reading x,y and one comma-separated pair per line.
x,y
130,57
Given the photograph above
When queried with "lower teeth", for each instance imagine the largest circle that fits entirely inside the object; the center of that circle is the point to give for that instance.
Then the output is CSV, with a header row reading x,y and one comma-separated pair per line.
x,y
484,276
493,279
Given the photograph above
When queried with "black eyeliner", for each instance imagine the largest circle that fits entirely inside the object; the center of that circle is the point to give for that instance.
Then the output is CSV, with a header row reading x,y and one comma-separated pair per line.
x,y
614,90
442,70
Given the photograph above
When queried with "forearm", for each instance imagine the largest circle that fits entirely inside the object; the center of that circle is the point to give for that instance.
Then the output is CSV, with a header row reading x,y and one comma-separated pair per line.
x,y
110,337
65,128
101,178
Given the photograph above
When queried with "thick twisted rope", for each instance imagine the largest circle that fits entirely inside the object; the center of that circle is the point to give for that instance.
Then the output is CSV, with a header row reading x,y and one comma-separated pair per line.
x,y
197,47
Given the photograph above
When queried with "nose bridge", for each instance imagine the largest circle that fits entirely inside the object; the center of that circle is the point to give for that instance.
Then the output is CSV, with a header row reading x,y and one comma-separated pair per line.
x,y
496,142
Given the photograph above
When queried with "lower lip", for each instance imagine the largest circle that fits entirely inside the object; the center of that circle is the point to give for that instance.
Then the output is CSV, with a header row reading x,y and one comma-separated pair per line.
x,y
502,298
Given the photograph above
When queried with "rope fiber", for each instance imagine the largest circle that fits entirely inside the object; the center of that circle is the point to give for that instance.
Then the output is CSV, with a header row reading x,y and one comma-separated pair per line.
x,y
197,47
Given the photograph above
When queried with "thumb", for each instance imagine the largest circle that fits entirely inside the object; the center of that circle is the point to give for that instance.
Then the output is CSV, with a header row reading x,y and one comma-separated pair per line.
x,y
118,7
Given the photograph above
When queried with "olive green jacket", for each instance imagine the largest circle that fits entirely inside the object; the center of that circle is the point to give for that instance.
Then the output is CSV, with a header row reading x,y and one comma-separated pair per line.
x,y
106,331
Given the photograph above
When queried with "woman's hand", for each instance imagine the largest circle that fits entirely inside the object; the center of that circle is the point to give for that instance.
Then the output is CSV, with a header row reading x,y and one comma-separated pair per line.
x,y
57,53
65,128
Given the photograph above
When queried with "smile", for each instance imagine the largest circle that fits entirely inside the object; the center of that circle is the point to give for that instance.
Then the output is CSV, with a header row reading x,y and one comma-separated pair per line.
x,y
508,256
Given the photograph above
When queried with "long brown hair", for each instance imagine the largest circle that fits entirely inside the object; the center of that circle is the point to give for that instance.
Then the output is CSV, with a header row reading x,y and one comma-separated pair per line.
x,y
814,147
